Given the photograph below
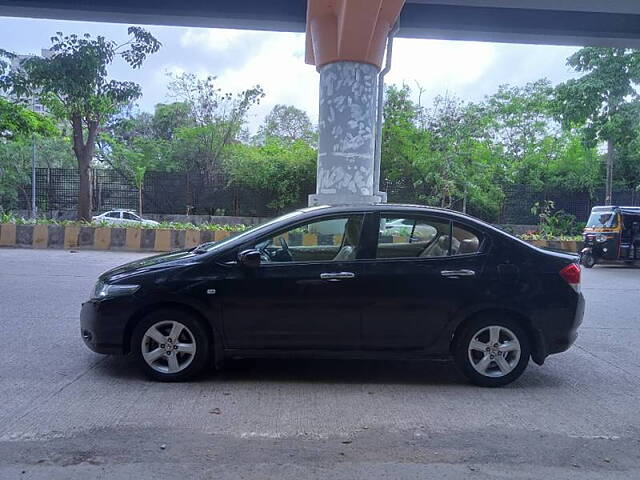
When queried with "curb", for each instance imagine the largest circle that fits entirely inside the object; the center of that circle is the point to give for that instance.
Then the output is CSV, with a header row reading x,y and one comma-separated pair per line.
x,y
105,238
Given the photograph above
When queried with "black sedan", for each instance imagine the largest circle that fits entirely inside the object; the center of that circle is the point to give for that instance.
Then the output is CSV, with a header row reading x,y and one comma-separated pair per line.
x,y
377,281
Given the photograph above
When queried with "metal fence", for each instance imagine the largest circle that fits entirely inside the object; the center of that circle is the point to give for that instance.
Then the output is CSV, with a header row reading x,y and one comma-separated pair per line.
x,y
163,193
516,208
191,193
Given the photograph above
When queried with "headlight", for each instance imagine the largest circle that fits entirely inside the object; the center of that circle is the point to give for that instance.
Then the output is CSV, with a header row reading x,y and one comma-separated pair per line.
x,y
104,290
601,238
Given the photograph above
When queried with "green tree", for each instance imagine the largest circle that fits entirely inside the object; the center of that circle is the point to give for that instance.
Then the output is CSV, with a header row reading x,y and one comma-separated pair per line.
x,y
438,156
603,101
219,119
74,85
285,171
287,123
168,118
18,121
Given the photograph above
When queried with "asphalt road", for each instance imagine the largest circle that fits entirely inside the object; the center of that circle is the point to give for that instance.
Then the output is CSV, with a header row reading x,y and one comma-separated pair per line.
x,y
68,413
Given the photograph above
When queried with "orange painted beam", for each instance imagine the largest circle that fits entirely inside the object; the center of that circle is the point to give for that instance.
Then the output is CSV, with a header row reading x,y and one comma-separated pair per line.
x,y
349,30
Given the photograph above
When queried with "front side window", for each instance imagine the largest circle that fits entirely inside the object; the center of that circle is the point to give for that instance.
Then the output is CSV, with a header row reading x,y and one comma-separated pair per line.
x,y
335,239
130,216
419,237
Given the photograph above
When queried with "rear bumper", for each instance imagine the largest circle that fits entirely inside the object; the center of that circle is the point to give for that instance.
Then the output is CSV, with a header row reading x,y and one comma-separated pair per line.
x,y
563,342
559,332
102,331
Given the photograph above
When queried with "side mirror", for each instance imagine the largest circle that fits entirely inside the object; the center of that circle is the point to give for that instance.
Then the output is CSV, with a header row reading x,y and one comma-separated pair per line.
x,y
249,258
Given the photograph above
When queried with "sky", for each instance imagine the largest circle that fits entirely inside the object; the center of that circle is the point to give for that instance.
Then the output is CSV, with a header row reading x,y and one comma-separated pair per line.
x,y
241,59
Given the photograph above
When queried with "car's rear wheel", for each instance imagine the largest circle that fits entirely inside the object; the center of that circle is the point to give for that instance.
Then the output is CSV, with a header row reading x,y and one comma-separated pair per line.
x,y
492,351
171,345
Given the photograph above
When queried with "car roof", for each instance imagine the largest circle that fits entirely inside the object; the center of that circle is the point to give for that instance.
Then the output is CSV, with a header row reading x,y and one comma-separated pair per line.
x,y
389,207
608,208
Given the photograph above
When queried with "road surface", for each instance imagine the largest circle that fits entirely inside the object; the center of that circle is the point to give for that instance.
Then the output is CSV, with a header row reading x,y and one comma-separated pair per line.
x,y
68,413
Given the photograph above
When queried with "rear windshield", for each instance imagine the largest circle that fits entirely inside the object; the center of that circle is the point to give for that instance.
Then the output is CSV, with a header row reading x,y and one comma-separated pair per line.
x,y
602,219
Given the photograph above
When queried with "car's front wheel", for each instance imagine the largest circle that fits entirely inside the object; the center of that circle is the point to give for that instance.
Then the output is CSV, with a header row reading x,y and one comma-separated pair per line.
x,y
588,260
171,345
492,352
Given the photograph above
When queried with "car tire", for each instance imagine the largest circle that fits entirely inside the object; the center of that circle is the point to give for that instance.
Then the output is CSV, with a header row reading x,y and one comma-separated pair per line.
x,y
503,361
588,260
171,345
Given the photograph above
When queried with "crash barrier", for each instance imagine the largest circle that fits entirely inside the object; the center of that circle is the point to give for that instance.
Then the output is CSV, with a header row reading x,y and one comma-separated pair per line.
x,y
165,240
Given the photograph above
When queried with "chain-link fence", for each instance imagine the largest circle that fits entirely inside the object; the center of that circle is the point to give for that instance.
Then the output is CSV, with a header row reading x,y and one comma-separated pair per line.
x,y
191,193
516,208
162,193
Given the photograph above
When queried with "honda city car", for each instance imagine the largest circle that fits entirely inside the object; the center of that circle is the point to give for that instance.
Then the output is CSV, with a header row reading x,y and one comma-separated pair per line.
x,y
124,218
372,281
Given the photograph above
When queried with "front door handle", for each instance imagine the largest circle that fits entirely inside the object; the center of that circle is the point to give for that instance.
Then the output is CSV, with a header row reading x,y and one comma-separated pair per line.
x,y
337,276
457,273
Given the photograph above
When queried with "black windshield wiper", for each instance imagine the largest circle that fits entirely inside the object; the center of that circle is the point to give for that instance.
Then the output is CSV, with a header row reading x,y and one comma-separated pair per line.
x,y
202,248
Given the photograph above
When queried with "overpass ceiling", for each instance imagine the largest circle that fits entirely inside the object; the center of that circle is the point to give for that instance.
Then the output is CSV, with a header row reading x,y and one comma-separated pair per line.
x,y
564,22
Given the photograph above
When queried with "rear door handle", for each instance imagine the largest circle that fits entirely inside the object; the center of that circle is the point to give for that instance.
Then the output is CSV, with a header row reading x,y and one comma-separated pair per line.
x,y
337,276
457,273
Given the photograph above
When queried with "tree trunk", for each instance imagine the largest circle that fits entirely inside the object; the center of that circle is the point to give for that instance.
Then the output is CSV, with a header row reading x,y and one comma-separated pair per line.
x,y
608,196
140,199
84,192
84,154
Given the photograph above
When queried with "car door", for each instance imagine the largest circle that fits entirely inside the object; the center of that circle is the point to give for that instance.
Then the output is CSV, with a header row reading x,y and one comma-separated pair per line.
x,y
305,294
419,280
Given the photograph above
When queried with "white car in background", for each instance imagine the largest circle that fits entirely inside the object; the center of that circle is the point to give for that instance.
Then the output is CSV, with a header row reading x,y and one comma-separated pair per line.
x,y
123,217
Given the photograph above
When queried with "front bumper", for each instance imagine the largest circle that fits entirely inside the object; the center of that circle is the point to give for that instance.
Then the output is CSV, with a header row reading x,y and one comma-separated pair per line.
x,y
102,327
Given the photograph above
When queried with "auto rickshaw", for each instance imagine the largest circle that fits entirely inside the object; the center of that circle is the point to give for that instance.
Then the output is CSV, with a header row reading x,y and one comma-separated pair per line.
x,y
612,235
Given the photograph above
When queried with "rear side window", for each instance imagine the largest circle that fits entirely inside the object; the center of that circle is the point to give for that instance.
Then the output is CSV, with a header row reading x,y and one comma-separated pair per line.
x,y
464,241
113,214
416,237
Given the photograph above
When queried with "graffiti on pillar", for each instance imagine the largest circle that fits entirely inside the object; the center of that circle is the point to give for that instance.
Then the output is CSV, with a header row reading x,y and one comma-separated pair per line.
x,y
347,128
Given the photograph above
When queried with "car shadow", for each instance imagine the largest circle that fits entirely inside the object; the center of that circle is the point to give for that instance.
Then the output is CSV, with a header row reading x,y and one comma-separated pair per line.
x,y
431,372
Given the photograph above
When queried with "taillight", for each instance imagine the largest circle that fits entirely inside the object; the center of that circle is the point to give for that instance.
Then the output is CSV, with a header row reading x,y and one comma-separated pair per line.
x,y
571,275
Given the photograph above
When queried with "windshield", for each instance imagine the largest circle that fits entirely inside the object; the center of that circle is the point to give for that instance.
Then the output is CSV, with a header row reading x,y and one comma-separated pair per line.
x,y
238,239
602,219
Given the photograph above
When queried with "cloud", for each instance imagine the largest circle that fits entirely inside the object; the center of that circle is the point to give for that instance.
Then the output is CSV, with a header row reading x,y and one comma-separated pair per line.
x,y
241,59
275,61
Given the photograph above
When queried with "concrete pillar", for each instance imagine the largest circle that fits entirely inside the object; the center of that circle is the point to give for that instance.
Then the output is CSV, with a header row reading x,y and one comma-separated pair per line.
x,y
346,41
346,141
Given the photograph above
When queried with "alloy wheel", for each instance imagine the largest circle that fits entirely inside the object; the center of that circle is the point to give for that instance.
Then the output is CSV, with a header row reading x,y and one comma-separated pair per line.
x,y
168,346
494,351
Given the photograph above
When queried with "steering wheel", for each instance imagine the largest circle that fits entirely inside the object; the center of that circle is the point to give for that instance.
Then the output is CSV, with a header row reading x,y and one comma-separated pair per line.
x,y
265,256
285,254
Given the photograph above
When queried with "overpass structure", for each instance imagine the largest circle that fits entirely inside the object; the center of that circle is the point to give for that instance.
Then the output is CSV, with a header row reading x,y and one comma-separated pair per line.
x,y
346,39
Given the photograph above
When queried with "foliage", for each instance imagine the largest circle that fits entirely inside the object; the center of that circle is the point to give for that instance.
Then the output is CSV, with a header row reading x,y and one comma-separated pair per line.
x,y
449,153
288,124
553,224
284,171
439,152
73,84
18,121
605,104
218,119
15,163
8,217
533,236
